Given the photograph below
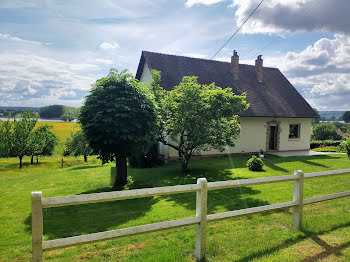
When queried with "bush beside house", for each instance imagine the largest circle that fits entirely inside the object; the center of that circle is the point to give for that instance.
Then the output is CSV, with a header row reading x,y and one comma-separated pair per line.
x,y
255,164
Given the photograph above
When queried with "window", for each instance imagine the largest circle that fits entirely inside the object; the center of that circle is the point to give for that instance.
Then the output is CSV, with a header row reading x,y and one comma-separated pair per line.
x,y
294,131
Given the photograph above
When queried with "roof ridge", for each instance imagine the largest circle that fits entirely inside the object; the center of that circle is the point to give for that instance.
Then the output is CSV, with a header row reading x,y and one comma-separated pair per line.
x,y
144,51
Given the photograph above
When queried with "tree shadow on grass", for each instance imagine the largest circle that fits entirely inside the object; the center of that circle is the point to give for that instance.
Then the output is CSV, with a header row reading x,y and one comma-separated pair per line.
x,y
85,167
272,161
75,220
229,199
15,166
327,249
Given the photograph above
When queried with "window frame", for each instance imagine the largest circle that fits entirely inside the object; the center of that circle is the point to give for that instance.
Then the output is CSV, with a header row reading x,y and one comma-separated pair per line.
x,y
298,132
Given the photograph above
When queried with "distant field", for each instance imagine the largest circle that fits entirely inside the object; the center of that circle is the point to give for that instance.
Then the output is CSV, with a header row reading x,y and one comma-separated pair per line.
x,y
63,131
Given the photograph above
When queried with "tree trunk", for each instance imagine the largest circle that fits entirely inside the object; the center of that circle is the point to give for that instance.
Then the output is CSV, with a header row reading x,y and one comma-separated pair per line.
x,y
184,160
121,178
37,159
31,160
85,158
20,161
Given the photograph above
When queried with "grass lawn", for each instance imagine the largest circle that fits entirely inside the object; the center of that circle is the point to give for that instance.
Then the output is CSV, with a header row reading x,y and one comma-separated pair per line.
x,y
262,237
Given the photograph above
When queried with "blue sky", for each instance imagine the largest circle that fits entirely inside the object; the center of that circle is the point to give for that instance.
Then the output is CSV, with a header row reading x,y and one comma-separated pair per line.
x,y
52,51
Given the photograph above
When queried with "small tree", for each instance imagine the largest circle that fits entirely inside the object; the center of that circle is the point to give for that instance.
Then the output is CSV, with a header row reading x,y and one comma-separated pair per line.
x,y
19,135
118,119
42,142
5,138
325,131
78,145
194,117
67,117
346,117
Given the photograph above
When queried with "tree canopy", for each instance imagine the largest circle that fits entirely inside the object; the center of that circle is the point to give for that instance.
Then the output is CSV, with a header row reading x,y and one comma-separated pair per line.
x,y
346,117
194,117
78,145
118,119
42,142
325,131
16,135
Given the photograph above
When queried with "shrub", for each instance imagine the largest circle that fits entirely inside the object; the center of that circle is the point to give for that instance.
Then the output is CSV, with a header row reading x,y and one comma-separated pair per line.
x,y
255,164
323,143
346,145
325,131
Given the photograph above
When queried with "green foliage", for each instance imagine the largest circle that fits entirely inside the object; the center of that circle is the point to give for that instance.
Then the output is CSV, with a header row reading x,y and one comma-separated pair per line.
x,y
194,117
57,111
151,158
67,117
325,131
5,138
118,119
323,143
328,149
42,141
16,135
78,145
346,146
13,111
255,164
346,117
53,111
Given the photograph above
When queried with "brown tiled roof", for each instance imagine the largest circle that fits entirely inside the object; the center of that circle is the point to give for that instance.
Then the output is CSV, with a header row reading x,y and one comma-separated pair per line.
x,y
274,97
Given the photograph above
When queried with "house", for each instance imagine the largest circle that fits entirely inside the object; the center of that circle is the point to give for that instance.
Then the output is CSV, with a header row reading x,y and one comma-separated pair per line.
x,y
278,119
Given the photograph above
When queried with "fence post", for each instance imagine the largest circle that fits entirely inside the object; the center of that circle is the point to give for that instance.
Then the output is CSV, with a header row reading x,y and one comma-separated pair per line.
x,y
298,191
37,226
201,213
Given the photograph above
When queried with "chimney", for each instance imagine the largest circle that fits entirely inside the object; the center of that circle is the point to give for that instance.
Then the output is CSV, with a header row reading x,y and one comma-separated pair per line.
x,y
259,68
235,65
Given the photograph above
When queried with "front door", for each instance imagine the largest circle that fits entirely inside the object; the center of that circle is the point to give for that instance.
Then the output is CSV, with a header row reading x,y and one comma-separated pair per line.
x,y
273,138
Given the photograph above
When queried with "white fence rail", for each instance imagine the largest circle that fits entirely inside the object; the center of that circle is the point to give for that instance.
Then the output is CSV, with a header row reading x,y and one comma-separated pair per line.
x,y
201,218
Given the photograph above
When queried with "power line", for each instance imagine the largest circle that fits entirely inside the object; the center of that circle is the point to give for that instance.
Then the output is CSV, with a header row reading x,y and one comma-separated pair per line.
x,y
237,30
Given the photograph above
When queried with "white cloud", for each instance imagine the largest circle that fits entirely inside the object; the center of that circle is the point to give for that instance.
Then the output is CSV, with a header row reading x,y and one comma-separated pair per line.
x,y
109,46
7,37
190,3
321,72
281,16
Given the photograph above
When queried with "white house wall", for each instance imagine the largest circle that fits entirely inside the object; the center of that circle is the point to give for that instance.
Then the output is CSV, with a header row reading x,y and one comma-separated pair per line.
x,y
253,136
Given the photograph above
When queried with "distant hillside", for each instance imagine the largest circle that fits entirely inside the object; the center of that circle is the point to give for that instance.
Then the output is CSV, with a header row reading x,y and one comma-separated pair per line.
x,y
58,111
331,115
48,112
6,111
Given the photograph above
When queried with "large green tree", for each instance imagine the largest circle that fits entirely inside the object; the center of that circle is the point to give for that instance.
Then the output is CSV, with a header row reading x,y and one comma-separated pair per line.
x,y
325,131
118,119
78,145
346,117
195,117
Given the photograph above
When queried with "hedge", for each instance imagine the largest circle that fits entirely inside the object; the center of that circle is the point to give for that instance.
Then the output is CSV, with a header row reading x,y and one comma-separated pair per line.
x,y
322,143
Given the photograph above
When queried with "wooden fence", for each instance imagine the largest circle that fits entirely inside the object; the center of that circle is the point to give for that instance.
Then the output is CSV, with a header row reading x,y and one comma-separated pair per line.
x,y
201,218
